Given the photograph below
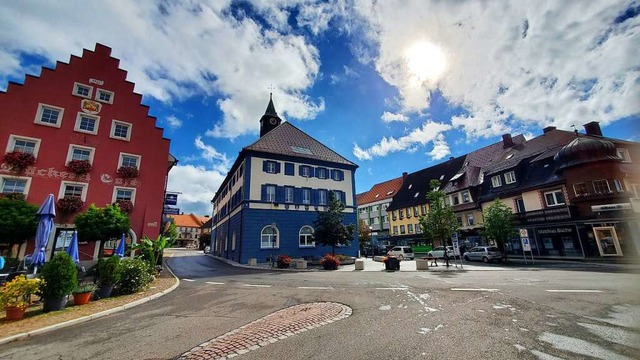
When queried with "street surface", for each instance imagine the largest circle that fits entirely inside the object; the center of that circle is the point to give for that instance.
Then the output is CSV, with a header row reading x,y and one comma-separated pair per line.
x,y
572,313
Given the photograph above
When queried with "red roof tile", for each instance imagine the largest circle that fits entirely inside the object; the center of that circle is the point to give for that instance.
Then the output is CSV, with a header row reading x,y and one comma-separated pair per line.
x,y
381,191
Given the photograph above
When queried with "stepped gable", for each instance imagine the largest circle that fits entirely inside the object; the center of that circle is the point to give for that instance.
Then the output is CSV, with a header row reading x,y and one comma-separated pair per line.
x,y
288,140
416,185
381,191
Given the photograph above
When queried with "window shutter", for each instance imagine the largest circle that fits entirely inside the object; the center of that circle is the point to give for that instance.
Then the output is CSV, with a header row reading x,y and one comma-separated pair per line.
x,y
264,193
343,197
264,165
314,197
289,169
316,172
300,169
277,168
340,175
279,194
297,195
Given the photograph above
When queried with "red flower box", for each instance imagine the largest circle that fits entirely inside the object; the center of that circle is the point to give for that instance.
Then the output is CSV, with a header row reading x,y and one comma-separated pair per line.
x,y
128,172
19,160
79,167
125,206
69,204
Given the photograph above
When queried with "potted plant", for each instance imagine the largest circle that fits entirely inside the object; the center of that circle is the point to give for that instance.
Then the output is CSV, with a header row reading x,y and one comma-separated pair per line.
x,y
19,160
391,263
69,204
125,206
79,167
283,261
83,293
128,172
108,274
59,279
330,262
16,295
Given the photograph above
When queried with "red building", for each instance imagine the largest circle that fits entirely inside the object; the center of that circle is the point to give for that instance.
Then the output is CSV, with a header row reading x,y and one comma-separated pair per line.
x,y
84,110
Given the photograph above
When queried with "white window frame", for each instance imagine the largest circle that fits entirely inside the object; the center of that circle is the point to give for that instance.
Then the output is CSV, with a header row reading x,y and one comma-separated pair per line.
x,y
496,181
618,185
115,192
11,144
624,154
271,197
289,191
115,122
79,120
335,175
306,171
636,190
322,173
321,200
76,85
463,197
271,167
63,185
41,107
510,177
271,244
100,91
26,186
306,196
307,244
473,220
73,146
121,159
600,192
555,198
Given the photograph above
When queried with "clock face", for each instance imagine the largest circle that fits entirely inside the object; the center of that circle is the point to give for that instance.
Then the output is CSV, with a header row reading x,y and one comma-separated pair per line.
x,y
273,121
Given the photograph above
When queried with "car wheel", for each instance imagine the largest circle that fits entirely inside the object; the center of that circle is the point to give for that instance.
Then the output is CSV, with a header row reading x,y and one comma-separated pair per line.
x,y
485,259
400,257
466,258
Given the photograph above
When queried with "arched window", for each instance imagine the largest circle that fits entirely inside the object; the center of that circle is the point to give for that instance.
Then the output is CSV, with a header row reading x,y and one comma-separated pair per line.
x,y
269,238
306,237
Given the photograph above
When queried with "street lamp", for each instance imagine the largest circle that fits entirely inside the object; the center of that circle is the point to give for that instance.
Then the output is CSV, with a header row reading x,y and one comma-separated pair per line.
x,y
273,241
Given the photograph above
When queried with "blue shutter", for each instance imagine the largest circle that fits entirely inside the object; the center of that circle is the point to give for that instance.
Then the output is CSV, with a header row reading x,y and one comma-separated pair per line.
x,y
289,169
343,197
300,170
297,195
341,175
278,168
264,193
279,194
314,197
264,165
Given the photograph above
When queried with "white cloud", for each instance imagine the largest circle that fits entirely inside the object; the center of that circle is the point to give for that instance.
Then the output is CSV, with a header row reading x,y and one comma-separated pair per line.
x,y
390,117
197,186
219,160
347,73
173,122
429,132
440,148
514,64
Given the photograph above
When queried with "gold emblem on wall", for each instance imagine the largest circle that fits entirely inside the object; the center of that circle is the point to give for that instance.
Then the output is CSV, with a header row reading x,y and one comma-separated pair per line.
x,y
90,106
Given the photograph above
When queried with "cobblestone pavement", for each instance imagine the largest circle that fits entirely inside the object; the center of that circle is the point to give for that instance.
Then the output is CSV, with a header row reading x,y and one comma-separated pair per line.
x,y
269,329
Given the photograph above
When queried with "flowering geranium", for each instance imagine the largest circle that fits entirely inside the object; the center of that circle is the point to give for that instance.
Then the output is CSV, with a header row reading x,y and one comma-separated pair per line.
x,y
330,262
19,160
79,167
17,293
128,172
125,206
283,261
69,204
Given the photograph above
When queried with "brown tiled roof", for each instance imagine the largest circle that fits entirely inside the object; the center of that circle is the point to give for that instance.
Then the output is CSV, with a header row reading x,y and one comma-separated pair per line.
x,y
208,224
381,191
188,220
287,139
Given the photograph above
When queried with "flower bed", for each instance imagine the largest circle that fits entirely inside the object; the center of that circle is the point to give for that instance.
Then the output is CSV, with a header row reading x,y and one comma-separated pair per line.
x,y
79,167
128,172
19,160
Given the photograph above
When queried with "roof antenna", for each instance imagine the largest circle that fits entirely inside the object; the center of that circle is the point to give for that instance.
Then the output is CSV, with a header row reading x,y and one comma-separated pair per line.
x,y
271,88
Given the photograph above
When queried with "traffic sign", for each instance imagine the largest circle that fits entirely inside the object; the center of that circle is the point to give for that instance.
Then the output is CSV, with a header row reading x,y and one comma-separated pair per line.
x,y
526,245
524,233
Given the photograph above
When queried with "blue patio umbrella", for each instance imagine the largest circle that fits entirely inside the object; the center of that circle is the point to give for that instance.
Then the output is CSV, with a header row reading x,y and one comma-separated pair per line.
x,y
120,249
46,213
72,250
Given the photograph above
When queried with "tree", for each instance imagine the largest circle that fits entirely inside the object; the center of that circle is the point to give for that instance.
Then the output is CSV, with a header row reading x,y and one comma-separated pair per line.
x,y
329,227
171,233
498,224
151,250
18,220
205,240
104,224
440,222
364,234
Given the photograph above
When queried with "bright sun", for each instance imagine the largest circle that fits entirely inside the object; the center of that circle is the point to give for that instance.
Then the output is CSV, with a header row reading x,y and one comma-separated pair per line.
x,y
426,61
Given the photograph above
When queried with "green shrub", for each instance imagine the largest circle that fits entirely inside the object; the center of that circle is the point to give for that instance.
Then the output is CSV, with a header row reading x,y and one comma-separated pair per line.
x,y
330,262
135,276
59,276
109,271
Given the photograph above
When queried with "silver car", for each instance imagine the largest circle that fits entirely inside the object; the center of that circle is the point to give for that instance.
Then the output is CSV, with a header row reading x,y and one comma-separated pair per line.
x,y
483,253
402,252
438,252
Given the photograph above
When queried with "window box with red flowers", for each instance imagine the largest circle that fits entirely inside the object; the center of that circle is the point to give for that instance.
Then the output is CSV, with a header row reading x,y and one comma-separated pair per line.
x,y
19,160
125,206
79,167
283,261
128,172
69,204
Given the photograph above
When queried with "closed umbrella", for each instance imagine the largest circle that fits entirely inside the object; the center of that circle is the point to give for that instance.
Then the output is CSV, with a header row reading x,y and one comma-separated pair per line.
x,y
120,249
72,250
46,213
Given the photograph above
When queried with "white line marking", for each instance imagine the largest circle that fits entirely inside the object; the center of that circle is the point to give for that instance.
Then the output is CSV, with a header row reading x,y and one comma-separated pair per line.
x,y
315,287
188,280
263,286
214,283
575,291
464,289
395,288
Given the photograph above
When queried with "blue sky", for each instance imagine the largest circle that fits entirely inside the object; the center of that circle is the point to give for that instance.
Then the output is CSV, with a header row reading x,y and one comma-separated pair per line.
x,y
391,85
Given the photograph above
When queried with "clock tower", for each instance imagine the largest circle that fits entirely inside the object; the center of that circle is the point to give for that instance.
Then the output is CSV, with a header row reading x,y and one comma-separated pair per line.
x,y
270,120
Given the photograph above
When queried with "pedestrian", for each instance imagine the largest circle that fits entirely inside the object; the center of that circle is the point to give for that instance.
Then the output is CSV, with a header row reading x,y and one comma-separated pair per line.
x,y
446,256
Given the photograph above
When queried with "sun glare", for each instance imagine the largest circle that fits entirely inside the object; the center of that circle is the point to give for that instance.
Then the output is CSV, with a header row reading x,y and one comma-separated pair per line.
x,y
425,61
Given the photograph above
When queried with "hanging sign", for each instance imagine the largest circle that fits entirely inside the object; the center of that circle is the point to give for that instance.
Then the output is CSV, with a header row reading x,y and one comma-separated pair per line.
x,y
171,199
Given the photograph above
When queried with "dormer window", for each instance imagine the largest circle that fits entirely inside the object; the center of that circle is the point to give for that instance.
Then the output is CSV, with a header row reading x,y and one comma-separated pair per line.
x,y
496,181
510,177
624,155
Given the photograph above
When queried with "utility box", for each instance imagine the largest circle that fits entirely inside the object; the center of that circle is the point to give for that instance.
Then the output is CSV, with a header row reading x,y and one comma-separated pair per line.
x,y
253,262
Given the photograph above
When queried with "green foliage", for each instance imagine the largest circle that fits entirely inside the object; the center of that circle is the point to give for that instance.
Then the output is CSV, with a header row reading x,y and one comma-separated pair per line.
x,y
17,293
18,220
172,233
329,227
205,240
151,250
498,224
109,271
136,275
60,277
85,288
364,234
104,223
440,222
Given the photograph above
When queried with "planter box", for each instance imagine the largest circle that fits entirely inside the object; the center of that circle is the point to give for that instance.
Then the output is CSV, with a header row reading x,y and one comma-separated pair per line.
x,y
359,264
392,264
422,264
252,262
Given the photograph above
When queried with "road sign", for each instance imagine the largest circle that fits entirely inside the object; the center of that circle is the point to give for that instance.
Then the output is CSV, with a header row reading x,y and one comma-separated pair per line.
x,y
524,233
454,237
526,245
171,211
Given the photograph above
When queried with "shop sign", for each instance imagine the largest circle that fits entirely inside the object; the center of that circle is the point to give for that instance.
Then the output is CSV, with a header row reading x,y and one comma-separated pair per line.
x,y
555,231
544,215
171,211
611,207
171,199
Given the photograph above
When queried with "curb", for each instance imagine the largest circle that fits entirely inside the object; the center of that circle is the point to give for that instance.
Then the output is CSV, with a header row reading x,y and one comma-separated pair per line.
x,y
235,264
46,329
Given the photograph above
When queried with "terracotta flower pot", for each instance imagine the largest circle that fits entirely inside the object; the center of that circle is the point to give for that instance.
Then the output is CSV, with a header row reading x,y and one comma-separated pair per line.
x,y
82,298
15,313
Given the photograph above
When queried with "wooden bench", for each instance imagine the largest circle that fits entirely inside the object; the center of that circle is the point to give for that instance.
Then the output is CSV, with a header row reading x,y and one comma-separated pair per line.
x,y
433,261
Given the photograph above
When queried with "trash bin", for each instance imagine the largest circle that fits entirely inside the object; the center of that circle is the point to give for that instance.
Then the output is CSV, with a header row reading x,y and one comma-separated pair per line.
x,y
392,263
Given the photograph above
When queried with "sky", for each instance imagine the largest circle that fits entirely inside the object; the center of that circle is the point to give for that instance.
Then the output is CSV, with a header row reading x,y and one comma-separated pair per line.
x,y
393,86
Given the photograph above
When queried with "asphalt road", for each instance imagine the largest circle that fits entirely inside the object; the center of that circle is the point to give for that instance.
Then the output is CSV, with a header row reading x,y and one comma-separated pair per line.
x,y
515,313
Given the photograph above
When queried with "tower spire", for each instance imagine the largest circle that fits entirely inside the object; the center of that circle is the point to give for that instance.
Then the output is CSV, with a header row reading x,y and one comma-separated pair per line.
x,y
270,120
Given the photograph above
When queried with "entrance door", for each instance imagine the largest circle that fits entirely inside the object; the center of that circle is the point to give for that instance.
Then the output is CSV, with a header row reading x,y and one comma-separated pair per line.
x,y
62,240
607,240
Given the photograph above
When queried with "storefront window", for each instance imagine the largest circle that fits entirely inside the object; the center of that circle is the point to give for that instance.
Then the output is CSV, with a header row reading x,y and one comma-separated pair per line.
x,y
607,240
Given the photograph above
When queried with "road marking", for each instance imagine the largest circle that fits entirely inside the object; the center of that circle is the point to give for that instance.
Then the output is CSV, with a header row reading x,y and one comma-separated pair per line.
x,y
393,288
214,283
575,291
188,280
263,286
464,289
315,287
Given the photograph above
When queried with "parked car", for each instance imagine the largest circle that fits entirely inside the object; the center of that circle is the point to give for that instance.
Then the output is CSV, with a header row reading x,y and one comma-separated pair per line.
x,y
438,252
206,249
483,253
402,252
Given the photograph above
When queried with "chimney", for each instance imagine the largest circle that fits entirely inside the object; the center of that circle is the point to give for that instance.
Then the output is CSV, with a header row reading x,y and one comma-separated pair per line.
x,y
593,128
547,129
507,141
404,175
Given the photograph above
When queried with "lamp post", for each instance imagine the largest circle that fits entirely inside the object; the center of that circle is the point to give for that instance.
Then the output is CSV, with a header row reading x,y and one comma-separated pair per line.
x,y
273,241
